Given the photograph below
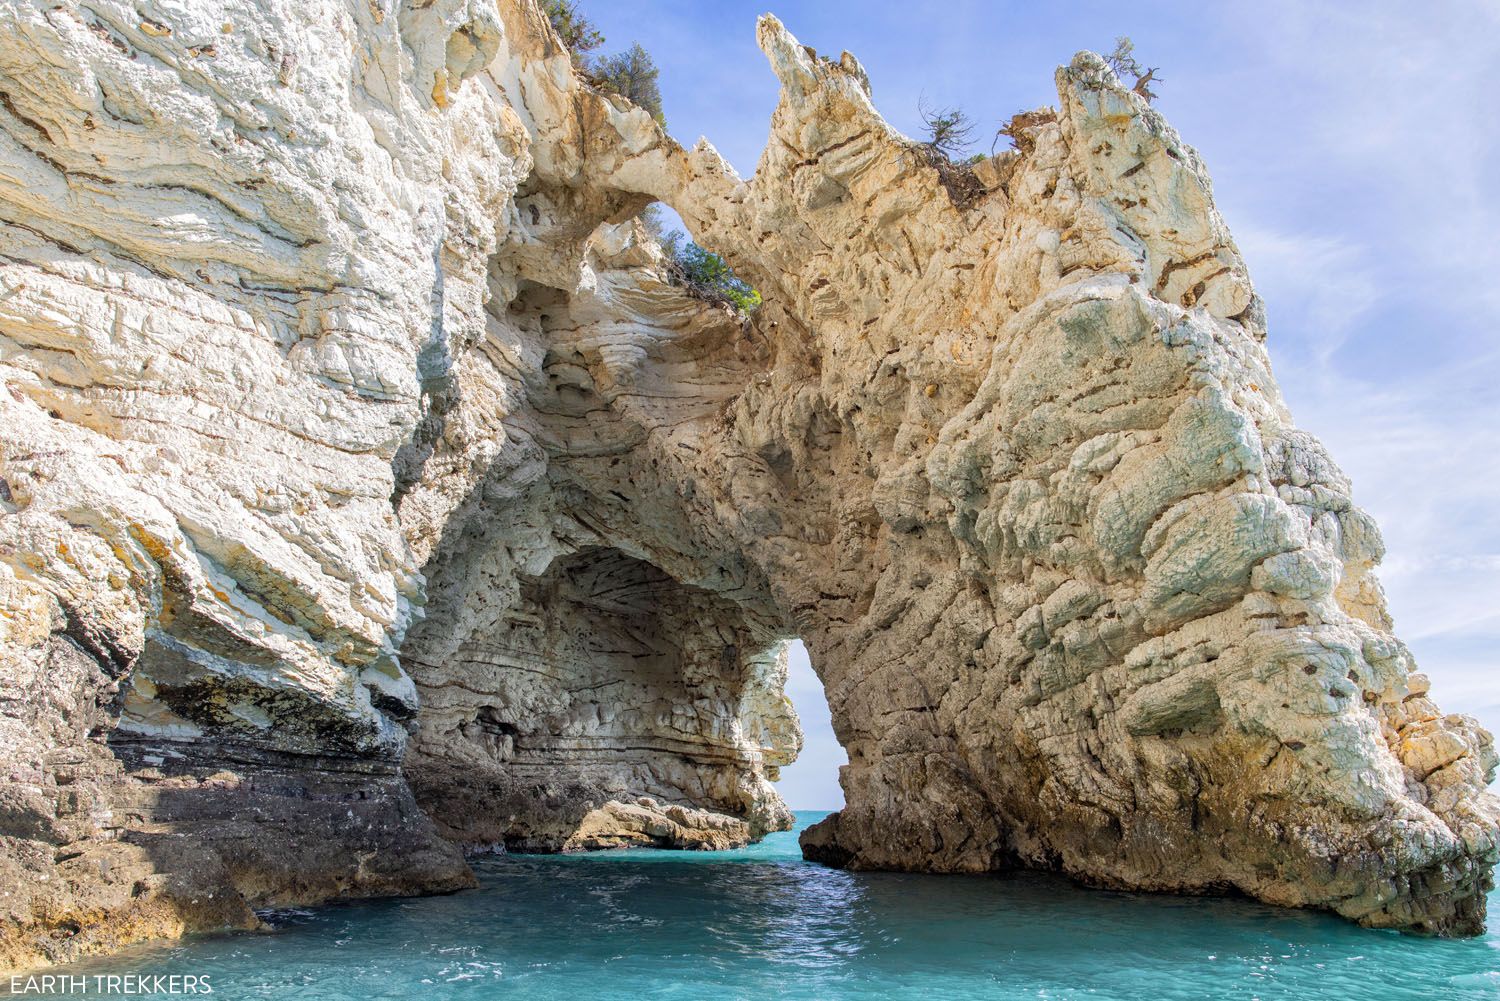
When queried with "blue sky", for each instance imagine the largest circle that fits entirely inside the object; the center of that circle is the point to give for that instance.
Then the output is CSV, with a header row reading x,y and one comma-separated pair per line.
x,y
1356,158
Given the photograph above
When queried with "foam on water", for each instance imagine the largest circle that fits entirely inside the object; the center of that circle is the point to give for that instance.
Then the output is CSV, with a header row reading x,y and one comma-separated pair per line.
x,y
762,924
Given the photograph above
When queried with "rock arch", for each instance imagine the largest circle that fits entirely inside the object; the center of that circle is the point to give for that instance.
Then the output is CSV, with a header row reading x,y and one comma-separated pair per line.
x,y
1082,595
1008,457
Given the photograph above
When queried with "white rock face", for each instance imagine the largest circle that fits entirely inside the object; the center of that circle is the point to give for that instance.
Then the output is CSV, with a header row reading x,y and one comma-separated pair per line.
x,y
353,437
1082,596
274,351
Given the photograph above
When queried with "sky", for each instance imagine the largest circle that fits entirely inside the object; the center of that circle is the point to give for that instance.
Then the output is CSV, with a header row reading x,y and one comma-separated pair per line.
x,y
1356,158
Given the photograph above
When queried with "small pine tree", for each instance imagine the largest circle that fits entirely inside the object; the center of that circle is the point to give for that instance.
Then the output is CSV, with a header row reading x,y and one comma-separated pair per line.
x,y
655,225
671,245
1122,60
576,31
949,130
633,75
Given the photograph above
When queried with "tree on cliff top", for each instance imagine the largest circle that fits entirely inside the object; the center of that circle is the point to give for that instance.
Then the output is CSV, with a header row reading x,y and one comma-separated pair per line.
x,y
1122,60
633,75
949,133
576,31
949,130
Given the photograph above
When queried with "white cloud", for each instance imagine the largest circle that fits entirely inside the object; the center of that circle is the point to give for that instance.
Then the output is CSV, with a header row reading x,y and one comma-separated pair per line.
x,y
1364,189
1389,104
1424,456
1325,284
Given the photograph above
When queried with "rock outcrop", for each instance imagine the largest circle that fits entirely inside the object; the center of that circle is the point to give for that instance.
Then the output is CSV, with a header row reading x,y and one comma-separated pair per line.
x,y
647,824
368,493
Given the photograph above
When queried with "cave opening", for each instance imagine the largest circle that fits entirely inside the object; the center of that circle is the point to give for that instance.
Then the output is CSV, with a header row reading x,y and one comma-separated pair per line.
x,y
811,783
613,704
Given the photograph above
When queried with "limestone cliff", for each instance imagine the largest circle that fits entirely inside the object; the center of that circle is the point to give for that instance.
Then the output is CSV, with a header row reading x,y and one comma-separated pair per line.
x,y
367,492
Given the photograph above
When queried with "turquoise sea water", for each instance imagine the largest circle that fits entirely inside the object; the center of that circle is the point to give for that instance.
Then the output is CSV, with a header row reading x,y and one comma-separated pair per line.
x,y
762,924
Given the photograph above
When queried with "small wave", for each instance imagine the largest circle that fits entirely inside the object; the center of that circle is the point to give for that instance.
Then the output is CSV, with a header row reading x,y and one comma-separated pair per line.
x,y
1490,979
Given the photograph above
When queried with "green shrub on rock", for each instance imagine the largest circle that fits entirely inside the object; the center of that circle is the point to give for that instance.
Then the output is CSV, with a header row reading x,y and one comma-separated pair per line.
x,y
632,74
705,275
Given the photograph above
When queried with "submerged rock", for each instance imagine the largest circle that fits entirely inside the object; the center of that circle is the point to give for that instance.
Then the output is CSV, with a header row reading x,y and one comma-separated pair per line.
x,y
368,492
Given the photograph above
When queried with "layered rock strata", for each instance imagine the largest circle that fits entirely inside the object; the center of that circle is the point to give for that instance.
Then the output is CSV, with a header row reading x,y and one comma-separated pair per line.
x,y
367,493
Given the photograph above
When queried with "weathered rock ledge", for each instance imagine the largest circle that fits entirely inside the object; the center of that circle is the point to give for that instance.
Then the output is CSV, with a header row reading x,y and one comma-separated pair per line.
x,y
367,494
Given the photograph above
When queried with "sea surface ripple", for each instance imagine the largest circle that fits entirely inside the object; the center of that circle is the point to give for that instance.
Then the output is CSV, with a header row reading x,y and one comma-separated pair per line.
x,y
762,924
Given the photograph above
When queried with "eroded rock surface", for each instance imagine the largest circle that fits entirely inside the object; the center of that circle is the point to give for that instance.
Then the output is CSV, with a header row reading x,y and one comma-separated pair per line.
x,y
358,456
648,824
1081,594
